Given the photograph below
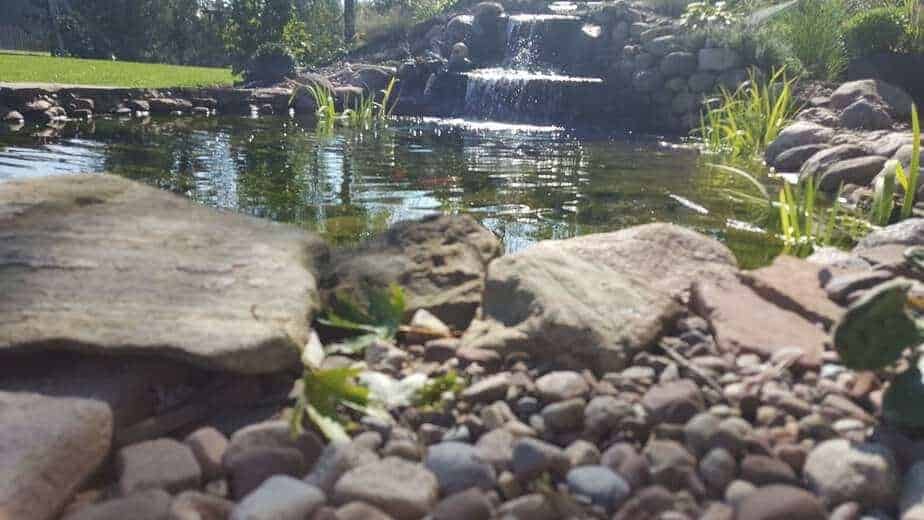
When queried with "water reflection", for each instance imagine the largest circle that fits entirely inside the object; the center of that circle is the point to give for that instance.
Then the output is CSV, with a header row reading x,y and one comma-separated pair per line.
x,y
525,183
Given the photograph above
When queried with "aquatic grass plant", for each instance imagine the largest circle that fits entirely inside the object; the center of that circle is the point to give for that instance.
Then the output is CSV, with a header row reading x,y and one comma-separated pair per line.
x,y
749,118
909,181
894,176
364,113
805,220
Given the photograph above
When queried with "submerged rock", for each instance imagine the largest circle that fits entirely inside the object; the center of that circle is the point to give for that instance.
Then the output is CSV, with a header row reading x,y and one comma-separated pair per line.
x,y
126,268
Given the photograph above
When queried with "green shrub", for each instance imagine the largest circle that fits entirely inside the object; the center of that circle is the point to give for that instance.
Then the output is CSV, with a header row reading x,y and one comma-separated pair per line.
x,y
814,31
874,31
669,7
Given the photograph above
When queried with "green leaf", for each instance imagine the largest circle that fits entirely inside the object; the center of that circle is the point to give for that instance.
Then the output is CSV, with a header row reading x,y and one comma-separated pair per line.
x,y
325,389
902,403
333,430
876,329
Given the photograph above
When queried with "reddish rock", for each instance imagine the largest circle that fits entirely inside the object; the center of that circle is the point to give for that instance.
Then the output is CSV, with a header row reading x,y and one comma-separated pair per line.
x,y
48,448
795,285
744,322
208,445
780,502
674,402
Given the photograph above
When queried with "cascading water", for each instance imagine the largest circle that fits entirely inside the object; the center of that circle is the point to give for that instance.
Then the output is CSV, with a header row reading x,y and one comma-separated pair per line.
x,y
530,87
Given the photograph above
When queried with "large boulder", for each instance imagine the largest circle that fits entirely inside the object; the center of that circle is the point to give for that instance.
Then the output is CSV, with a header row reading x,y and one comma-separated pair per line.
x,y
895,99
489,32
440,261
800,133
101,264
665,257
822,160
48,448
559,306
859,170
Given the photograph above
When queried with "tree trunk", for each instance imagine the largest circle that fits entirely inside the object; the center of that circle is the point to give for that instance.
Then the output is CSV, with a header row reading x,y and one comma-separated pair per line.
x,y
349,20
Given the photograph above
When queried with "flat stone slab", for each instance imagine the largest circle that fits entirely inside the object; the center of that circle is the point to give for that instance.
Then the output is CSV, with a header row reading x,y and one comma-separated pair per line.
x,y
101,264
795,285
48,448
744,322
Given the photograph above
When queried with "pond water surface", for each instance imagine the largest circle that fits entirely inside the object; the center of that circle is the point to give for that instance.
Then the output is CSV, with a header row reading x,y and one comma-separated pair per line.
x,y
525,183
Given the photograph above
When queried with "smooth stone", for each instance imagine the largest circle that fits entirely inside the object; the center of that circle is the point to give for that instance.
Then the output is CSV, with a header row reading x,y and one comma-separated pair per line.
x,y
792,160
718,468
859,170
361,511
794,284
336,460
905,233
671,465
489,389
532,457
821,161
247,470
496,448
564,416
778,502
158,464
605,413
535,506
153,504
863,114
674,402
195,505
718,59
600,484
458,467
208,445
402,489
280,498
762,470
800,133
840,471
49,447
467,505
582,453
897,100
172,277
561,385
275,434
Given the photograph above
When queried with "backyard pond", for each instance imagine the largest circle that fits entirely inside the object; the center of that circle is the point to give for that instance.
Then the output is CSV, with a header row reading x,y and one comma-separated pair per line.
x,y
525,183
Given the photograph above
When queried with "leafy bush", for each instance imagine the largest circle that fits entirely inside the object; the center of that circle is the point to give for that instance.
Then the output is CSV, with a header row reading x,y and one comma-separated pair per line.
x,y
814,31
272,62
874,31
705,14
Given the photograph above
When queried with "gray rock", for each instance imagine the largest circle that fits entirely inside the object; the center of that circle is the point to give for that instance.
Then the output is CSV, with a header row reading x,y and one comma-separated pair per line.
x,y
155,273
911,502
598,483
626,461
208,445
702,82
604,414
337,459
800,133
402,489
536,506
48,448
671,465
667,257
792,160
648,80
897,100
496,448
737,491
662,45
496,415
458,467
905,233
582,453
762,470
732,79
819,115
903,155
674,401
819,162
561,385
153,504
439,261
361,511
532,457
280,498
564,416
840,471
678,64
469,504
249,469
860,170
718,469
699,432
158,464
718,59
684,103
489,389
274,434
864,114
195,505
549,303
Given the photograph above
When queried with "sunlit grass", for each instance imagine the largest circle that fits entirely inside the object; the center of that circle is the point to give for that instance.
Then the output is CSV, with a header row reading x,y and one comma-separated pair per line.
x,y
26,68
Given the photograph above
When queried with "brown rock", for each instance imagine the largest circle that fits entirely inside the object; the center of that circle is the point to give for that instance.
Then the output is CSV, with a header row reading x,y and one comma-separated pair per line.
x,y
250,468
48,448
153,504
402,489
779,502
208,446
674,402
158,464
794,285
744,322
193,505
361,511
134,269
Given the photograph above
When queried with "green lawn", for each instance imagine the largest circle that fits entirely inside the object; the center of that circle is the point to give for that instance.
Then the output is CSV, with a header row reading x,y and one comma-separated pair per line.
x,y
21,68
